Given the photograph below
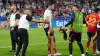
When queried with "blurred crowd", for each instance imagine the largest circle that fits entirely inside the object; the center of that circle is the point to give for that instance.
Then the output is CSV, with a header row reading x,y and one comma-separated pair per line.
x,y
63,7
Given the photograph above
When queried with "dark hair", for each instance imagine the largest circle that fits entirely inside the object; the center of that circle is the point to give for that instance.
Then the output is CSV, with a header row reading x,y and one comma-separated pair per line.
x,y
50,3
97,9
13,4
77,6
20,10
28,8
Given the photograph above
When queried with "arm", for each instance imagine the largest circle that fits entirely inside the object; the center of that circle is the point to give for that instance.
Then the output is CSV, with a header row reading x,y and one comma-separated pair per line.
x,y
29,18
72,19
39,21
86,19
16,22
17,17
96,22
8,24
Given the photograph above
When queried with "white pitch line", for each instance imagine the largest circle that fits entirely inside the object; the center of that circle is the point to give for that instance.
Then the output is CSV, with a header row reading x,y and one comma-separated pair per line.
x,y
38,44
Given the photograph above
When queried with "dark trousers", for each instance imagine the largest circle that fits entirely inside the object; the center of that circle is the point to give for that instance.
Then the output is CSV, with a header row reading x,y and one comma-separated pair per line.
x,y
14,38
23,41
98,39
77,37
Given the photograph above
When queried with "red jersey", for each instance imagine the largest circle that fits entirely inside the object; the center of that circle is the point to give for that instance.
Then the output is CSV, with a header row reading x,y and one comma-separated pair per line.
x,y
89,19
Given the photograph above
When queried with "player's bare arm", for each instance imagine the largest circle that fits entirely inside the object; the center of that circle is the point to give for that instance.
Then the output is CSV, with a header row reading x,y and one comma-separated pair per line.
x,y
96,22
8,24
40,21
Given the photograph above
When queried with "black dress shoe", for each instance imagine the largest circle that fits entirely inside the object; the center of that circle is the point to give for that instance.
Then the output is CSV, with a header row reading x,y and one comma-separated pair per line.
x,y
12,51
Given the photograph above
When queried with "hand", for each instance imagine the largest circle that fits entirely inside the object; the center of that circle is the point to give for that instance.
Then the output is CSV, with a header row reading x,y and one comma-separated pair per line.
x,y
92,23
63,27
6,28
12,28
45,21
50,29
71,29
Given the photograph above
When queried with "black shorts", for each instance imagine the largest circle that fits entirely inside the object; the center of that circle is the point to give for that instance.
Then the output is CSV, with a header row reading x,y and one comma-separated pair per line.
x,y
91,35
75,36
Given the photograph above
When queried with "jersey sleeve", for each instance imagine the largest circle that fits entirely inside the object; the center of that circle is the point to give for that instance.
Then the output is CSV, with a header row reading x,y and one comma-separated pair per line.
x,y
29,18
17,16
72,15
72,19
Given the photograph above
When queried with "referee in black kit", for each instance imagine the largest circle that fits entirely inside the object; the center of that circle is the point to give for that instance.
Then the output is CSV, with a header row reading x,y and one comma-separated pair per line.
x,y
14,19
23,31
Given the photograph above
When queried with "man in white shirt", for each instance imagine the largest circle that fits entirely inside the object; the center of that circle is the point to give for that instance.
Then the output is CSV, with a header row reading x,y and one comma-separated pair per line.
x,y
23,31
49,30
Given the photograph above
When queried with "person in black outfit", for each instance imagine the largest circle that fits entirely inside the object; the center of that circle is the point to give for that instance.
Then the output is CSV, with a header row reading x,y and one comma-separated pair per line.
x,y
14,19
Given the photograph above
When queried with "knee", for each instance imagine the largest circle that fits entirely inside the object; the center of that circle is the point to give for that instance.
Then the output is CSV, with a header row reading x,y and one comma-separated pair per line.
x,y
89,39
20,42
49,41
15,38
94,41
70,43
26,44
52,42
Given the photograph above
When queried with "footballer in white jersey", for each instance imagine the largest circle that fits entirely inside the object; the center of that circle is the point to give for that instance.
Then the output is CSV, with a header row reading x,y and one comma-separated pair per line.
x,y
49,30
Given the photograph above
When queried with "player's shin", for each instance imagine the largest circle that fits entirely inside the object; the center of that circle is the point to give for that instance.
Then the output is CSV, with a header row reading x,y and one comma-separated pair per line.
x,y
81,47
53,44
94,47
87,45
70,48
49,46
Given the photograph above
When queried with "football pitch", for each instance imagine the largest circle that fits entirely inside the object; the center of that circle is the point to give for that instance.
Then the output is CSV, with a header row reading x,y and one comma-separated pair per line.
x,y
38,43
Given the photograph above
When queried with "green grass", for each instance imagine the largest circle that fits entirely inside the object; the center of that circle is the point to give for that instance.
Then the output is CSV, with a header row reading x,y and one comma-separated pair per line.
x,y
35,48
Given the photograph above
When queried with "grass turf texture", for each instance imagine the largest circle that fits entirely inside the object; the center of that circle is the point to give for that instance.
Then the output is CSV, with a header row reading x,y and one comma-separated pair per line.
x,y
38,43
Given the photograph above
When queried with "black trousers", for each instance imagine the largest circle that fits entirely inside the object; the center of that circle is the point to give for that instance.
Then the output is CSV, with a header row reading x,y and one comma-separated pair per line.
x,y
23,41
75,36
14,37
98,39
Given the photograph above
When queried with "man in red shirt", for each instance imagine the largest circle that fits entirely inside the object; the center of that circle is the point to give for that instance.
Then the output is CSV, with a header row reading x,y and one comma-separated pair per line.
x,y
91,31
